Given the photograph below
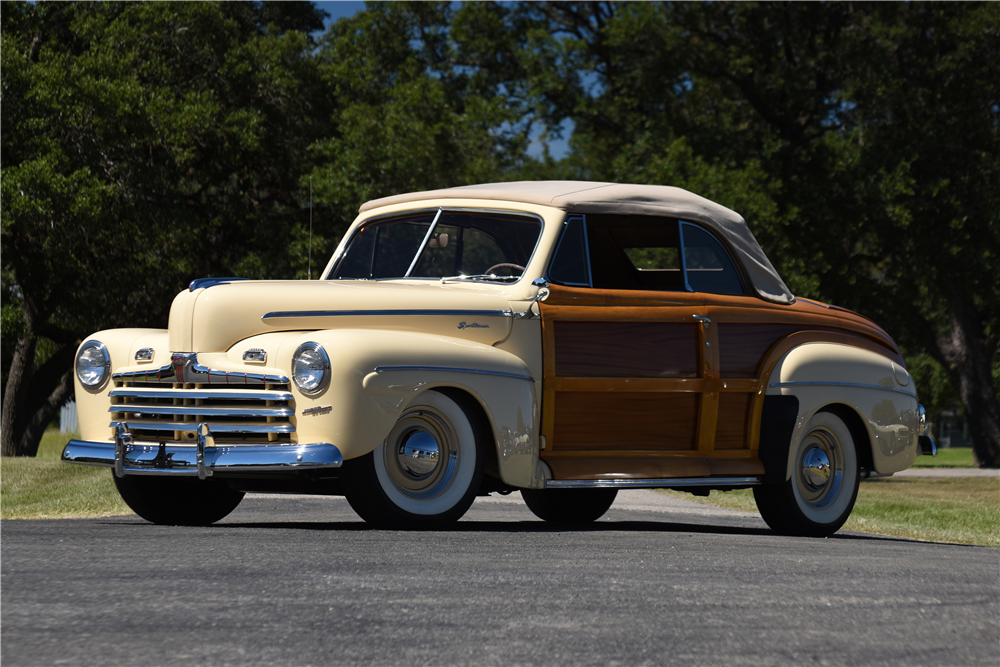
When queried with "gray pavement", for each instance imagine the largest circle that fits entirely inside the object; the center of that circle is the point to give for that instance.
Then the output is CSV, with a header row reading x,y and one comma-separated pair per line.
x,y
293,580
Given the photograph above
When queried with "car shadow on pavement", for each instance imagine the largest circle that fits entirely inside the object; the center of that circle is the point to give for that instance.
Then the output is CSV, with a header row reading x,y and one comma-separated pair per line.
x,y
540,527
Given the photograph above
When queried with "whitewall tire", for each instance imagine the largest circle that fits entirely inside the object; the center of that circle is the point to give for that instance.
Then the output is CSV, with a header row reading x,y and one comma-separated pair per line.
x,y
428,470
818,497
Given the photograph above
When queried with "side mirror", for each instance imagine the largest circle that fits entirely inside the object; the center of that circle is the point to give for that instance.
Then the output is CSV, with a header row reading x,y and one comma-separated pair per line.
x,y
541,295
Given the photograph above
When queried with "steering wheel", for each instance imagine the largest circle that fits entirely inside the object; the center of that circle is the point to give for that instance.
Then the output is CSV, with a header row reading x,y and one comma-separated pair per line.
x,y
505,265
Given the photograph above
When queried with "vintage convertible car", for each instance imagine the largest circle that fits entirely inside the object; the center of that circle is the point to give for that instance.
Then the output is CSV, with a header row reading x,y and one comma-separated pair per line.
x,y
564,339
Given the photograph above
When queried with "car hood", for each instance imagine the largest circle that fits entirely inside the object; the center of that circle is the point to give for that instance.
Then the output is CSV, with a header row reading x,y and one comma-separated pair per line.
x,y
214,318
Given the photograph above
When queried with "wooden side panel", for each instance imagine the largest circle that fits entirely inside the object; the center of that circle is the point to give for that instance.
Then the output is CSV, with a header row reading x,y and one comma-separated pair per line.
x,y
599,421
741,346
626,349
732,428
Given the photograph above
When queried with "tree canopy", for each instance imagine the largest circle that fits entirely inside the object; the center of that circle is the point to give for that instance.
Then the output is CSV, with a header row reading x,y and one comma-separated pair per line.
x,y
146,144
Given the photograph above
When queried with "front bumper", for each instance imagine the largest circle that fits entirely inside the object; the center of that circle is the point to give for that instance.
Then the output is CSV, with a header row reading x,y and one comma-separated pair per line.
x,y
201,460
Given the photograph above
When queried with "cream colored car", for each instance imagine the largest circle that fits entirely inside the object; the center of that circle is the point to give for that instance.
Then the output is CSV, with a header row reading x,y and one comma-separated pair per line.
x,y
563,339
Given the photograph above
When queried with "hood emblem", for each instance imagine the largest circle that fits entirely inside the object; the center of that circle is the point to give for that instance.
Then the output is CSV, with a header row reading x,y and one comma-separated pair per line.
x,y
472,325
145,354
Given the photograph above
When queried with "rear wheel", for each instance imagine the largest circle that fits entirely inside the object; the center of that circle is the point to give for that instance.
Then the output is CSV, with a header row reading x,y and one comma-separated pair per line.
x,y
178,501
569,505
427,471
819,496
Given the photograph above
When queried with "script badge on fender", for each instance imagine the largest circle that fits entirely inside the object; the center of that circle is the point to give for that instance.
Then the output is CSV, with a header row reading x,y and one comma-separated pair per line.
x,y
317,411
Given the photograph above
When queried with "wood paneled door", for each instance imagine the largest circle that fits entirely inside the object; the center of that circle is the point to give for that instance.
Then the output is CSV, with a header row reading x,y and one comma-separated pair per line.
x,y
632,391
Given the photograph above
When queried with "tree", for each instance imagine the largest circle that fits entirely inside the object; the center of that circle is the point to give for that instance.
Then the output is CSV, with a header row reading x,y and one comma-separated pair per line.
x,y
144,144
414,110
860,140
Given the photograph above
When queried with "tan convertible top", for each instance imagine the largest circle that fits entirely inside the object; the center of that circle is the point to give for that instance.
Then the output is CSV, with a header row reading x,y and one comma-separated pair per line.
x,y
624,199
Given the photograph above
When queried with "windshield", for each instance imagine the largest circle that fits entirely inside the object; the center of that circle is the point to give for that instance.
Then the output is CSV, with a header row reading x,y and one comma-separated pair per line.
x,y
441,244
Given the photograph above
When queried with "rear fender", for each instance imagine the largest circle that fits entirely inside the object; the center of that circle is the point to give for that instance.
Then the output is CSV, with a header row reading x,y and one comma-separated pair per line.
x,y
877,390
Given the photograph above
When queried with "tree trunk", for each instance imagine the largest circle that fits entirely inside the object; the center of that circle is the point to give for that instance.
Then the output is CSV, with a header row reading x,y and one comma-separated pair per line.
x,y
15,396
33,397
968,355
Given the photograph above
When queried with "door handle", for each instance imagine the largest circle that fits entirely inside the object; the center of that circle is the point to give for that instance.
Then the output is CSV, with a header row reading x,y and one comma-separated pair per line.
x,y
707,321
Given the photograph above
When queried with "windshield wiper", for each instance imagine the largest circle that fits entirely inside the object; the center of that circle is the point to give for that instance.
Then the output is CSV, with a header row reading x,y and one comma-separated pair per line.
x,y
479,277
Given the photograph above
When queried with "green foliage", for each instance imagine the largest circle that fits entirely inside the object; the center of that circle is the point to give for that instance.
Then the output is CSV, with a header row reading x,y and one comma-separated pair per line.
x,y
144,145
407,118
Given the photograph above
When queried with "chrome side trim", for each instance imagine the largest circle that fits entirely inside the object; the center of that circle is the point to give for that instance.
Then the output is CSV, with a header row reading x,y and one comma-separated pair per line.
x,y
384,313
184,368
840,384
815,303
220,394
203,410
519,376
153,459
205,283
664,483
191,427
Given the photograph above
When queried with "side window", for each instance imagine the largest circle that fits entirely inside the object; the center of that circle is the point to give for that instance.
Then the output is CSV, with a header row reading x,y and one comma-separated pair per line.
x,y
633,252
571,265
707,264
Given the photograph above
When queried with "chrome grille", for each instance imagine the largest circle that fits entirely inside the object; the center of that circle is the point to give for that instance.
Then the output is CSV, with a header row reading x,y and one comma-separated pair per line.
x,y
170,412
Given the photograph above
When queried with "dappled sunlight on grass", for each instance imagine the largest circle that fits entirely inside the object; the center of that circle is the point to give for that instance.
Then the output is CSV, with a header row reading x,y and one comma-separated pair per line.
x,y
964,510
46,488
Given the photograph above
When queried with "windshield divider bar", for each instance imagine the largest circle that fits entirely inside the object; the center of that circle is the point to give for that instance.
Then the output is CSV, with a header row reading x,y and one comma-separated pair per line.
x,y
423,244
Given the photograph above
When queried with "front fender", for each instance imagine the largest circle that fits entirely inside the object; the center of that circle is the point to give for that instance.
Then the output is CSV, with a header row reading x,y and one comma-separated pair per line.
x,y
878,391
377,374
122,345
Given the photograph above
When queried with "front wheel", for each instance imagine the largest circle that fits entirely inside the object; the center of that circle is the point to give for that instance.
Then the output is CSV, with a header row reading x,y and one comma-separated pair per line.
x,y
427,471
569,505
819,496
178,501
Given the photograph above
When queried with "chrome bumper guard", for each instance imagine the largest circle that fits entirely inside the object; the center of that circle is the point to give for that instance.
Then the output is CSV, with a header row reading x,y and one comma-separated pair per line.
x,y
202,460
926,446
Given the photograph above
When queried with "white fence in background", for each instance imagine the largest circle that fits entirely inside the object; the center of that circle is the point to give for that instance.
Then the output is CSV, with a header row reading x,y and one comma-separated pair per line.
x,y
67,418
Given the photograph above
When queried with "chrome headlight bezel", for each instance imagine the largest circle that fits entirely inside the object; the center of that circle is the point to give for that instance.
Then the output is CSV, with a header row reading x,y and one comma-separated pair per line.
x,y
105,367
320,362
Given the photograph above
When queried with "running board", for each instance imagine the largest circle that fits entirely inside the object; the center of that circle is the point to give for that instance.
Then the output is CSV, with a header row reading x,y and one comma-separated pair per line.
x,y
665,483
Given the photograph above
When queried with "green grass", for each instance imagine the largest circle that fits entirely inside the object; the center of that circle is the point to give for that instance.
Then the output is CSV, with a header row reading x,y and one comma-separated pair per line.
x,y
953,457
964,510
46,488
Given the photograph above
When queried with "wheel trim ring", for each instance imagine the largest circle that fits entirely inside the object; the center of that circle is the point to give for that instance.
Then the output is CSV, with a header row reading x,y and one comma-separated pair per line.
x,y
826,494
431,421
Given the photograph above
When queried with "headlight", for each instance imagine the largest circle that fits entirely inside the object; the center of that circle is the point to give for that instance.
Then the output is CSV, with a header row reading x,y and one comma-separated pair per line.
x,y
92,364
310,368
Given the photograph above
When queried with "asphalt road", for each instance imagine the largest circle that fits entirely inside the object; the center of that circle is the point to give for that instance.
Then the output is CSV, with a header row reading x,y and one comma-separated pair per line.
x,y
300,581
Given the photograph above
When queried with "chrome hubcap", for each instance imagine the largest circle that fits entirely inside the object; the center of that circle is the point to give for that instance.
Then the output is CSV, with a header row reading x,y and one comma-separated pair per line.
x,y
819,472
421,453
418,454
816,468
